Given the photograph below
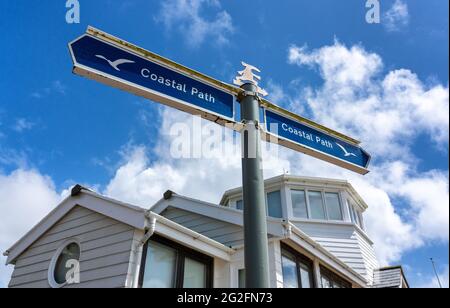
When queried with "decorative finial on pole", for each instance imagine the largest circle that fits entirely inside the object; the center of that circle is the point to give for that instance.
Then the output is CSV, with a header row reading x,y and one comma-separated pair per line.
x,y
248,76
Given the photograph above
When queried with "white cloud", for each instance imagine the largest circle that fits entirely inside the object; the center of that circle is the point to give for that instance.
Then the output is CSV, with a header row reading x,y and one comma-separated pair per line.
x,y
339,65
143,181
22,125
27,197
10,157
187,17
428,196
387,112
55,87
397,17
431,281
358,100
384,105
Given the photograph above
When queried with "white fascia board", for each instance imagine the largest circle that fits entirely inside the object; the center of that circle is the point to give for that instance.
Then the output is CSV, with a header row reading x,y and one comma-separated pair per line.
x,y
116,210
31,236
182,235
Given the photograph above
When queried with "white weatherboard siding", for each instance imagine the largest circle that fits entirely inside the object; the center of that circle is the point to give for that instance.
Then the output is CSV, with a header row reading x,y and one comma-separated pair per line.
x,y
389,278
346,243
106,246
368,254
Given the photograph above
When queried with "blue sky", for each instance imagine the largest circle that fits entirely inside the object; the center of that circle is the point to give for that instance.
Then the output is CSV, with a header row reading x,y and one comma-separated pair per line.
x,y
60,129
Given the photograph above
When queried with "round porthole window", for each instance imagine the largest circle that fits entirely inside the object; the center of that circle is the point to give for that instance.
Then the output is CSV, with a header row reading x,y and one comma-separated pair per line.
x,y
64,268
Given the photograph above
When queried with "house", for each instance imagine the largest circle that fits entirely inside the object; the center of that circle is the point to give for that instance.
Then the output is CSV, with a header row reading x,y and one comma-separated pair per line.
x,y
316,236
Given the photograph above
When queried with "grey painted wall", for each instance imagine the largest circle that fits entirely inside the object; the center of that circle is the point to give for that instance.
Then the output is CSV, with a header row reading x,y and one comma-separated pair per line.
x,y
105,251
222,232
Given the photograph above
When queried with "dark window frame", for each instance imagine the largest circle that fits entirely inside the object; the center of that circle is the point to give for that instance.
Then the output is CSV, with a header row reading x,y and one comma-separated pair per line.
x,y
334,278
300,258
182,253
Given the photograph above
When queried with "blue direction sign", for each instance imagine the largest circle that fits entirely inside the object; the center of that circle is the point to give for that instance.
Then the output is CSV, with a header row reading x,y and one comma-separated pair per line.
x,y
314,142
110,60
119,67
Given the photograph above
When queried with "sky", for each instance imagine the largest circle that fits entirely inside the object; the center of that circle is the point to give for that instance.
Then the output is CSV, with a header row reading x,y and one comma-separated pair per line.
x,y
385,84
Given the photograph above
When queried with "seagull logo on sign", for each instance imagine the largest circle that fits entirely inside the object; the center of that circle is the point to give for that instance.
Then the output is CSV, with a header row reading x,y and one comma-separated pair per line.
x,y
115,64
346,153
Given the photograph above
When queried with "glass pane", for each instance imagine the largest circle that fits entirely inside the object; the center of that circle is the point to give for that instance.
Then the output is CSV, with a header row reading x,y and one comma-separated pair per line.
x,y
194,274
240,205
274,204
160,267
290,277
305,276
361,222
70,252
241,279
316,203
333,206
356,213
355,216
299,204
352,212
326,284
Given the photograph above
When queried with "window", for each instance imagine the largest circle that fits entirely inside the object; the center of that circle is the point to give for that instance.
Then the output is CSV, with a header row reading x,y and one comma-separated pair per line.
x,y
297,269
163,261
316,204
299,204
319,205
306,276
290,274
352,213
355,215
333,204
65,263
361,221
274,204
240,205
194,274
170,265
330,280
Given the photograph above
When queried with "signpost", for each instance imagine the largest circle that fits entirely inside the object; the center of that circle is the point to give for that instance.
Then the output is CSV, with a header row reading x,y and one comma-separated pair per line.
x,y
314,142
112,61
150,77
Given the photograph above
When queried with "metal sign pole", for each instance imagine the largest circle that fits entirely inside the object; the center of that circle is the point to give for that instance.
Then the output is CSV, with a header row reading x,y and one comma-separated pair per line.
x,y
255,219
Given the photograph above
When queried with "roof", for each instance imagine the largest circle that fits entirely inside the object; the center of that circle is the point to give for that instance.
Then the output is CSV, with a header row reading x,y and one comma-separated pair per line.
x,y
278,228
137,217
292,179
131,215
123,212
390,277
